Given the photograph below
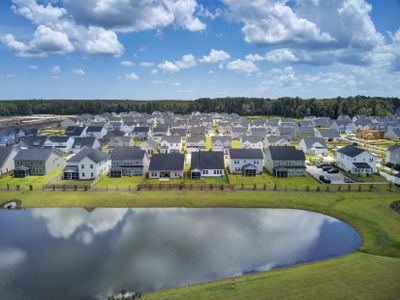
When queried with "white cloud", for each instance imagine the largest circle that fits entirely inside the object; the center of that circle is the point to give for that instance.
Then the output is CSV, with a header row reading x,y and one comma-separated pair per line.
x,y
131,76
176,84
56,69
242,66
279,55
78,72
10,41
168,67
255,57
154,72
187,61
48,40
147,64
127,63
33,67
215,56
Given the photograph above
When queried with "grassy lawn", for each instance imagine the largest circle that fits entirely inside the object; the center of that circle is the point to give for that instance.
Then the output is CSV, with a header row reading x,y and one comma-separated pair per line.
x,y
372,272
74,182
123,182
210,180
363,179
52,131
36,181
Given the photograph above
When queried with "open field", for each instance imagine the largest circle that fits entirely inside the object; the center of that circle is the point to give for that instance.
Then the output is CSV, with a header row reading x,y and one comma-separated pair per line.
x,y
122,182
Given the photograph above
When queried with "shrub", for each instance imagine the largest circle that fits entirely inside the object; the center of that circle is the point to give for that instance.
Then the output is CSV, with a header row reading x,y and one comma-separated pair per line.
x,y
138,187
255,187
395,205
318,188
222,187
339,188
30,187
307,188
359,187
265,186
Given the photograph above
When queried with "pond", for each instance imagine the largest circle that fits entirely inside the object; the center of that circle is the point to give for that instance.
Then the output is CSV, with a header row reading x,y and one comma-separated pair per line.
x,y
72,253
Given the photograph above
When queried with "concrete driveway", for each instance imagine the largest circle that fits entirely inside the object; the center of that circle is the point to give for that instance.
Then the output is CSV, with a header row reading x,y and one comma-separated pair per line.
x,y
337,178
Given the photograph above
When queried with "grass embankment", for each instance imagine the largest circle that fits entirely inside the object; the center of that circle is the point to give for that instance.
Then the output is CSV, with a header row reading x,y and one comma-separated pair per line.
x,y
373,272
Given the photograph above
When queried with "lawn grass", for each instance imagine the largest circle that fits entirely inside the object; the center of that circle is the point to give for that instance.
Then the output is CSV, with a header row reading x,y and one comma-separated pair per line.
x,y
206,180
36,181
122,182
363,179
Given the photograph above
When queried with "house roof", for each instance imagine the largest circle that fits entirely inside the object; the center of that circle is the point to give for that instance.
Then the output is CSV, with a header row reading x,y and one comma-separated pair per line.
x,y
95,155
351,151
4,154
127,153
74,130
58,139
171,139
394,147
329,133
309,142
80,142
36,154
246,154
196,139
274,139
168,162
94,129
207,160
285,153
34,141
141,129
150,143
252,139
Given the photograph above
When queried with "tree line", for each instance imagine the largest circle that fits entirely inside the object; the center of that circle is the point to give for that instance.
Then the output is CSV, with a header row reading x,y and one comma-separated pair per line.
x,y
285,107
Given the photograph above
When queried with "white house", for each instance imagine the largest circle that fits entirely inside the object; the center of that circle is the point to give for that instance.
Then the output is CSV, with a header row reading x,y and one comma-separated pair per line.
x,y
87,164
96,131
63,143
247,162
195,144
356,160
207,164
252,142
393,155
221,143
7,155
314,146
171,144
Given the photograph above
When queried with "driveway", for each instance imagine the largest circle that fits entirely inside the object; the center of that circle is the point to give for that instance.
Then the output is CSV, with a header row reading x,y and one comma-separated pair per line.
x,y
337,178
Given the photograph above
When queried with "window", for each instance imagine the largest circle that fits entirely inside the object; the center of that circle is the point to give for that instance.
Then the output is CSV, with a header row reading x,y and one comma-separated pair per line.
x,y
91,166
83,174
91,174
82,166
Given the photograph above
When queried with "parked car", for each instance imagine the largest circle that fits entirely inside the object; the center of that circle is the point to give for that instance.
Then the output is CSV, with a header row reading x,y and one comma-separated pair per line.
x,y
323,165
325,179
347,180
326,168
332,171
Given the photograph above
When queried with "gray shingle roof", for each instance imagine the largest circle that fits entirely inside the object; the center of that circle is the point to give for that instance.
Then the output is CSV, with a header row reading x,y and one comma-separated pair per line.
x,y
81,142
310,141
4,154
36,154
350,150
207,160
285,153
394,147
95,155
58,139
127,153
168,162
246,154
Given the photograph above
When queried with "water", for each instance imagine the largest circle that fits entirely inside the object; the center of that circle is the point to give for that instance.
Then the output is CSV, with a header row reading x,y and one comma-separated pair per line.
x,y
71,253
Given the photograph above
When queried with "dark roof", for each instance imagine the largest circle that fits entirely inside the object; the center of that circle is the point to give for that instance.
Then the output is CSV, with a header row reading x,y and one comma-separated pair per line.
x,y
252,139
80,142
93,154
394,147
169,162
329,133
362,165
141,129
350,150
4,154
285,153
94,129
34,142
36,154
310,141
246,154
127,153
74,130
207,160
58,139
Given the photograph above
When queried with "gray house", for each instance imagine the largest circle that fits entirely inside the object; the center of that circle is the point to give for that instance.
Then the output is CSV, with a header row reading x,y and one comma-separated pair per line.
x,y
393,155
247,162
170,165
207,164
128,161
7,155
285,161
221,143
37,161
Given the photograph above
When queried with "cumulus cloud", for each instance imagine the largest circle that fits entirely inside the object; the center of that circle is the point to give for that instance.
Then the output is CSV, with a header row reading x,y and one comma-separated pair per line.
x,y
127,63
78,72
242,66
215,56
279,55
131,76
168,67
187,61
146,64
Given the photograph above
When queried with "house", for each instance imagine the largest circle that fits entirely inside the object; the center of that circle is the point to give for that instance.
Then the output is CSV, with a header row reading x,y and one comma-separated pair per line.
x,y
207,164
75,131
120,141
285,161
314,146
238,132
63,143
287,132
260,132
344,127
171,144
141,133
96,131
85,143
128,161
328,134
221,143
393,155
170,165
31,142
305,132
393,134
247,162
87,165
197,131
10,135
276,141
149,146
252,142
37,161
355,160
7,155
195,144
68,122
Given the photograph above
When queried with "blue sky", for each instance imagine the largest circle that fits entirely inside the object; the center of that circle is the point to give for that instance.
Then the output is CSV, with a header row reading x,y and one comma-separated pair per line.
x,y
186,49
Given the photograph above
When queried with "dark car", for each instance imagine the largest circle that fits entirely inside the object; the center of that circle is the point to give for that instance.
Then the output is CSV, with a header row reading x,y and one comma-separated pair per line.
x,y
326,168
332,171
348,180
323,165
325,179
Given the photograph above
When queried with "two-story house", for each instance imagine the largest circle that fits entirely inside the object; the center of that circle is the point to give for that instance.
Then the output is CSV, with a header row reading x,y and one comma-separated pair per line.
x,y
252,142
285,161
247,162
207,164
7,155
63,143
81,143
355,160
314,146
195,144
141,133
393,155
171,144
221,143
87,165
128,161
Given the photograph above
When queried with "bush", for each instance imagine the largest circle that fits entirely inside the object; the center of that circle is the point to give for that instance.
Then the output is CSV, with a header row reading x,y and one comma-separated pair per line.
x,y
318,188
395,205
138,187
307,188
339,188
30,187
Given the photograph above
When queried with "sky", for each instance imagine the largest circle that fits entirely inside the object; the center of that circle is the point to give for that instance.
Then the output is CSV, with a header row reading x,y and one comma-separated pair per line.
x,y
188,49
